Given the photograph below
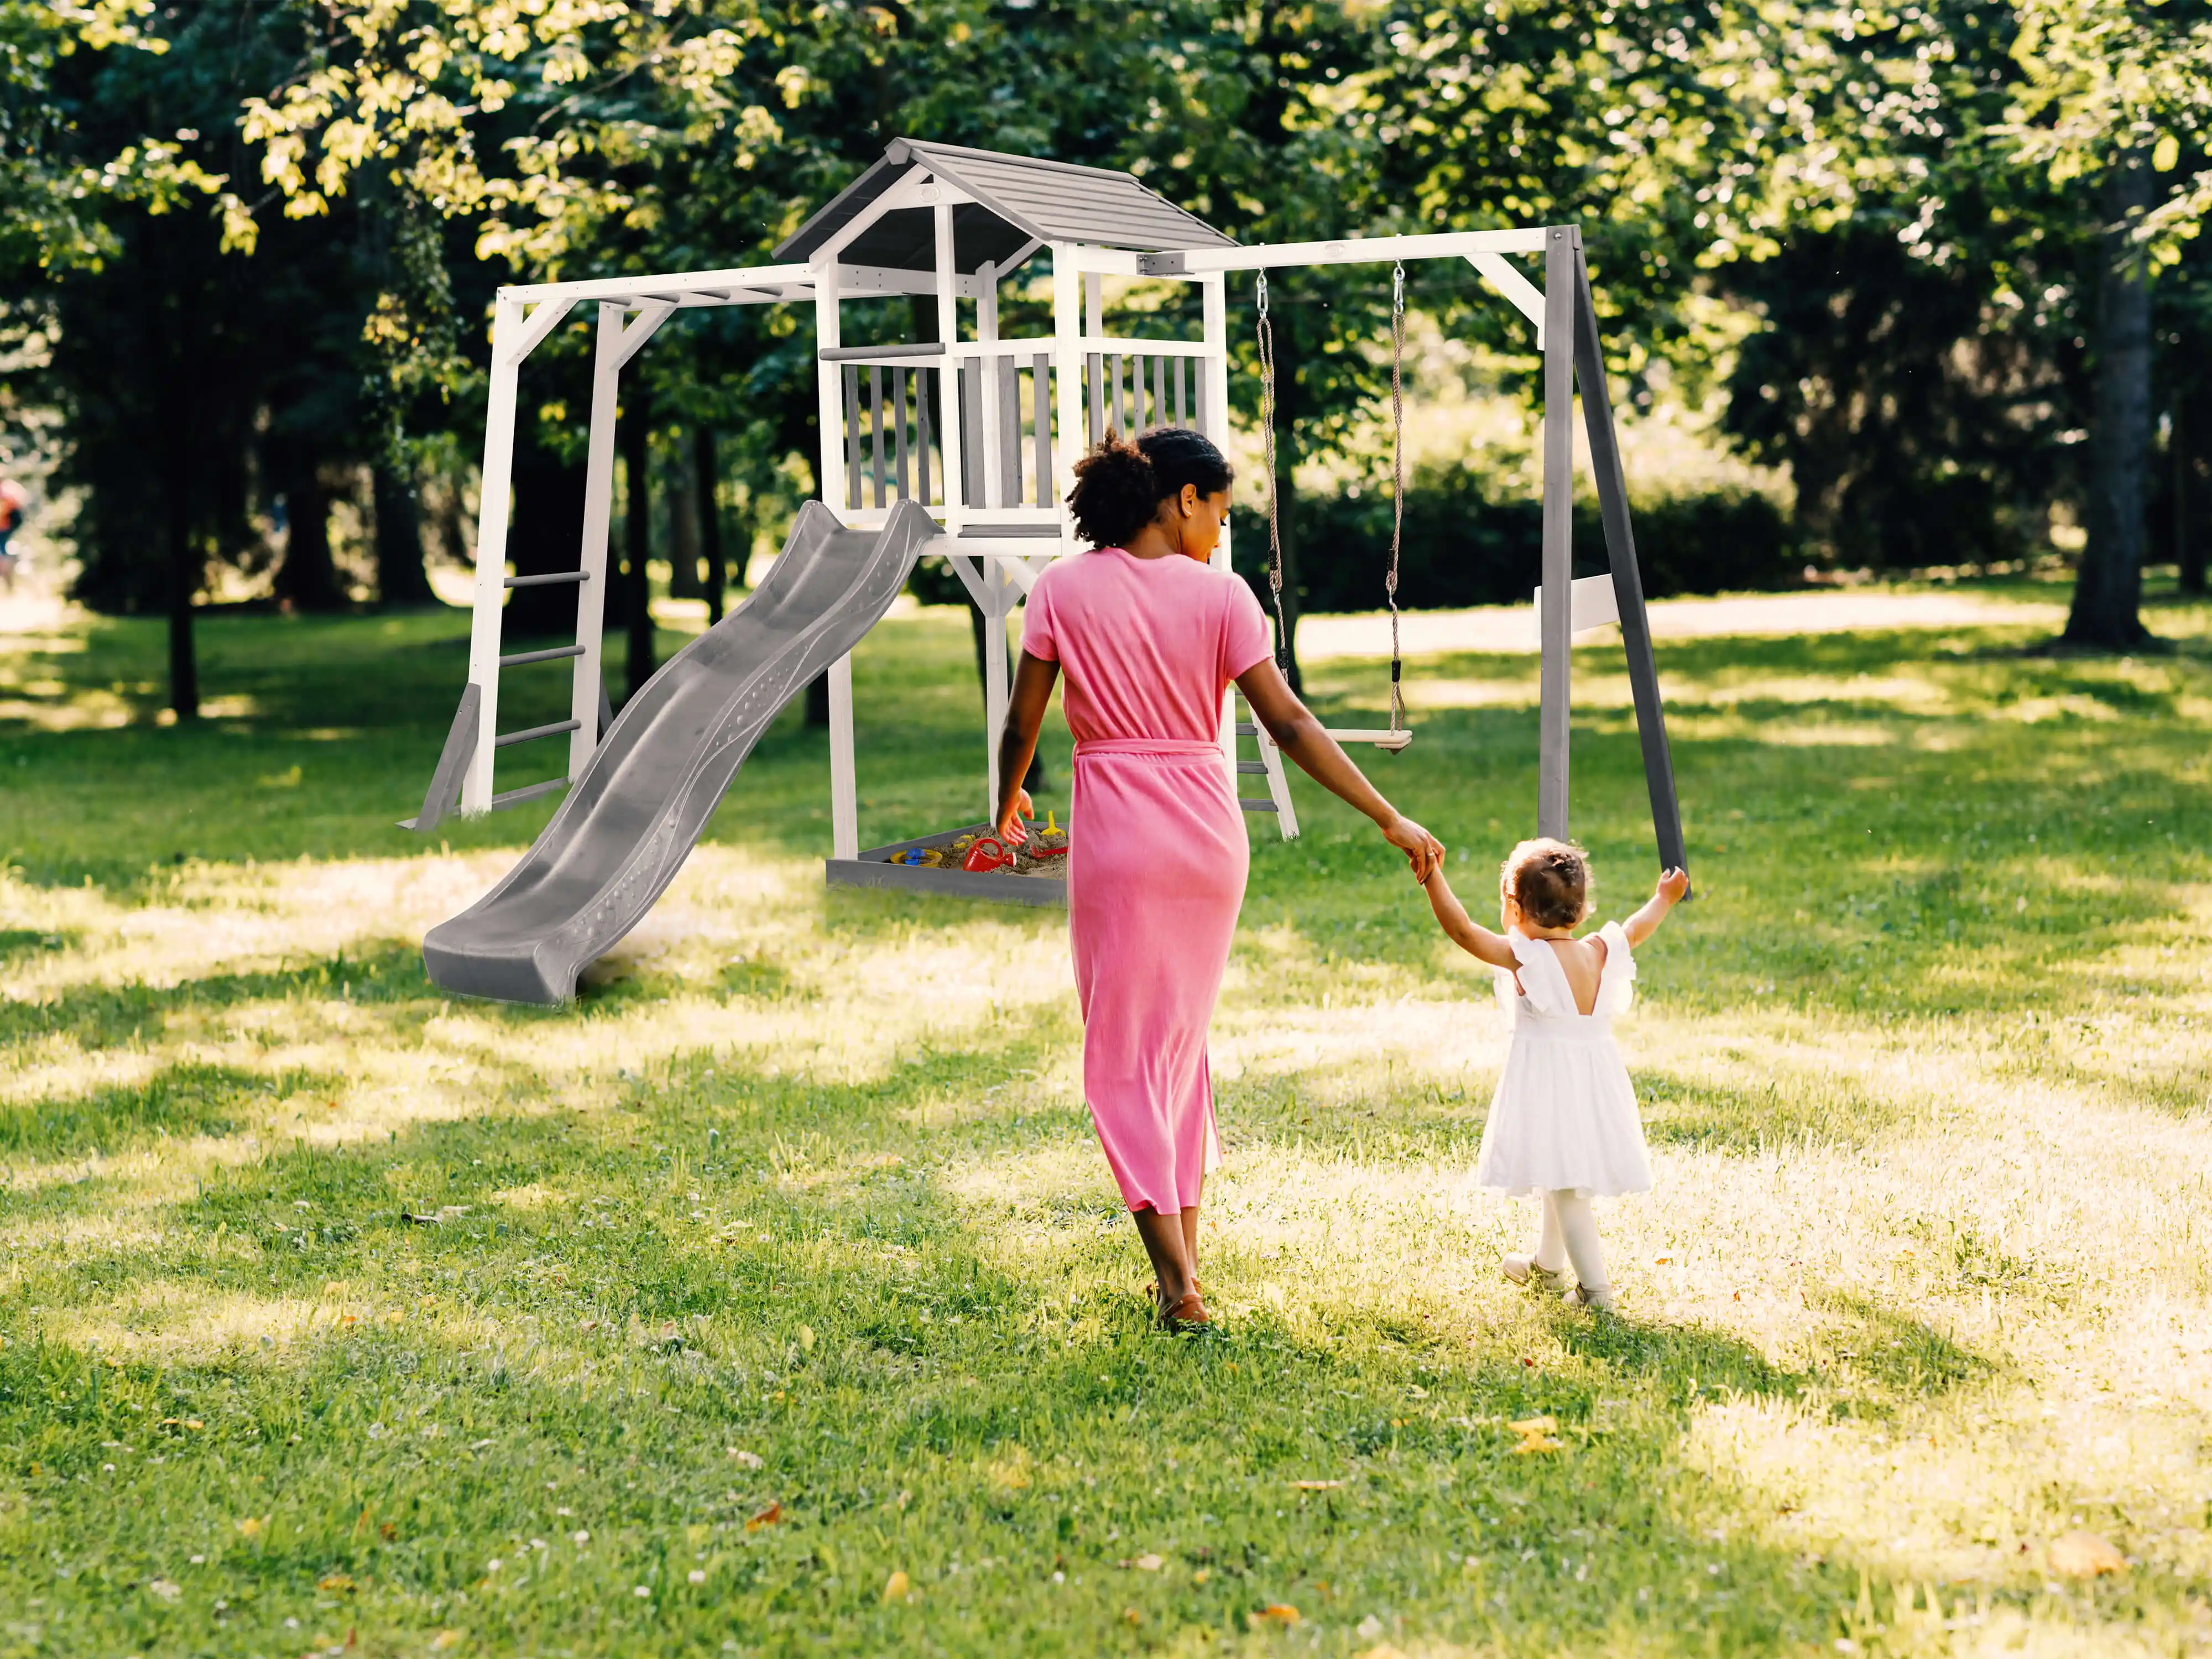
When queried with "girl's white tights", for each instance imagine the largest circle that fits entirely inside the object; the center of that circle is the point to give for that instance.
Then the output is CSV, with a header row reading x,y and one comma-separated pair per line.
x,y
1567,1234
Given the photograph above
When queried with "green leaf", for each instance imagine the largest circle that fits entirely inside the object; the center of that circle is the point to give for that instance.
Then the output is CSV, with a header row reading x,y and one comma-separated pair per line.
x,y
2165,152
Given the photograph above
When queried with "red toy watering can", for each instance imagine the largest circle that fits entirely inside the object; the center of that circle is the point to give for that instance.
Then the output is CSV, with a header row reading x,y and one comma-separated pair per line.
x,y
988,854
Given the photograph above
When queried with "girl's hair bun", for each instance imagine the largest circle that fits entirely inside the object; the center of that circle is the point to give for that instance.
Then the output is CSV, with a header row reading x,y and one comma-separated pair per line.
x,y
1120,484
1549,879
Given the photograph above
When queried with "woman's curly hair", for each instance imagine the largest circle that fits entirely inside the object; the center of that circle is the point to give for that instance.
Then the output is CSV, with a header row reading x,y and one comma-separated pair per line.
x,y
1549,879
1120,484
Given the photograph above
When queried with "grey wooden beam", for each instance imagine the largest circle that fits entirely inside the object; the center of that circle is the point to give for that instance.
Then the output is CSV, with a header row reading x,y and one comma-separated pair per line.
x,y
444,795
1627,577
1553,721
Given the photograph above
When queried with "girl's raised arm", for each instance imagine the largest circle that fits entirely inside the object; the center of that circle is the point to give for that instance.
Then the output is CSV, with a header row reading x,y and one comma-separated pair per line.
x,y
1470,935
1645,922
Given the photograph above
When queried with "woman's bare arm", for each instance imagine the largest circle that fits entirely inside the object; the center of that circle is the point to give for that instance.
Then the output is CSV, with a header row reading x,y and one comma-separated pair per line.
x,y
1470,935
1300,736
1034,678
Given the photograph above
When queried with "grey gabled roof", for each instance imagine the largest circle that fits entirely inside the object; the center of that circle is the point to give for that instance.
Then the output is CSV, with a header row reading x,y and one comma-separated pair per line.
x,y
1018,200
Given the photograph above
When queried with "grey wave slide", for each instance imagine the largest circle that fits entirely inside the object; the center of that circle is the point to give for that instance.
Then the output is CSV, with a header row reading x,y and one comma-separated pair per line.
x,y
631,821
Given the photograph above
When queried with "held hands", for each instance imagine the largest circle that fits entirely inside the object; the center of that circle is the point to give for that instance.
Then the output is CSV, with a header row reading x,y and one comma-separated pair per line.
x,y
1423,851
1010,826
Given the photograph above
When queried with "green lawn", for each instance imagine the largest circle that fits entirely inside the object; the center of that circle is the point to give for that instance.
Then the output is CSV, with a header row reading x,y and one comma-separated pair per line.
x,y
776,1300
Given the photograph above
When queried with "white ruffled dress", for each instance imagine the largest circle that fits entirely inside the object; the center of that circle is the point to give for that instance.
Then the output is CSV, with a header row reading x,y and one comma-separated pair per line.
x,y
1564,1114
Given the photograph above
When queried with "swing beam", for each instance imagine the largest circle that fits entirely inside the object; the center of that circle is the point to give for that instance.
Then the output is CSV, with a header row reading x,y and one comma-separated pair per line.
x,y
1567,335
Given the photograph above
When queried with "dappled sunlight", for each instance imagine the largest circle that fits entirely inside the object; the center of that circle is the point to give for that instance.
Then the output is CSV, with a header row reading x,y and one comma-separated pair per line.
x,y
800,1208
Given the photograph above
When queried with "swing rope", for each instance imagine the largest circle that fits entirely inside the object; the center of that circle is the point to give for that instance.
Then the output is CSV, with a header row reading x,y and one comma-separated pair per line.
x,y
1397,483
1275,522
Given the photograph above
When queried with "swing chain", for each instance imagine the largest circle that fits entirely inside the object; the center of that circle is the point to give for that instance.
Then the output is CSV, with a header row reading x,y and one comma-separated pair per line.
x,y
1267,342
1397,480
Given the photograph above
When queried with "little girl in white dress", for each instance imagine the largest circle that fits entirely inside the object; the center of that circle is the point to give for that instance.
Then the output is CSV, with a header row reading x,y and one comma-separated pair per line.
x,y
1563,1123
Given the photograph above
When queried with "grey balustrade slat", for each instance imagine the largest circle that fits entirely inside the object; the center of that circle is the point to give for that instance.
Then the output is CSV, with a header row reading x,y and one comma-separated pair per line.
x,y
1121,424
1199,415
1094,381
1010,429
1159,392
922,434
1179,363
1041,405
901,381
875,425
971,433
852,436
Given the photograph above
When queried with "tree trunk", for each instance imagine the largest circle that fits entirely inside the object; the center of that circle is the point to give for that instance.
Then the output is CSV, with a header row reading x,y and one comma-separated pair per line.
x,y
680,489
706,474
544,536
637,535
1287,493
184,573
400,578
2188,545
308,580
2108,592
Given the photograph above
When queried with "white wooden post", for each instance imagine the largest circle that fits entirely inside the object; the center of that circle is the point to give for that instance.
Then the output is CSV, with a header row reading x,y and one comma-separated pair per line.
x,y
1067,382
948,381
844,791
598,506
829,391
492,513
987,333
844,784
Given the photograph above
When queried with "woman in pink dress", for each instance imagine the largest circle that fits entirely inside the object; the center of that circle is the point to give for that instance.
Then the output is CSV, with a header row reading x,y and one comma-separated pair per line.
x,y
1149,636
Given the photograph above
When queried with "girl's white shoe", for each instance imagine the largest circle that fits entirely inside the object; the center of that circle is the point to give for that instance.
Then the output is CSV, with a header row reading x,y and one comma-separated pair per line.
x,y
1583,1296
1522,1268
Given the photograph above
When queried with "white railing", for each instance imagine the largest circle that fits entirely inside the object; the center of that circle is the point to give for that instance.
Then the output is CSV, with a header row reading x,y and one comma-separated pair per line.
x,y
893,409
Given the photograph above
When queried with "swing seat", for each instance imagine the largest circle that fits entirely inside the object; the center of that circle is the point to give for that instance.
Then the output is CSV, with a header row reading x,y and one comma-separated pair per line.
x,y
1381,736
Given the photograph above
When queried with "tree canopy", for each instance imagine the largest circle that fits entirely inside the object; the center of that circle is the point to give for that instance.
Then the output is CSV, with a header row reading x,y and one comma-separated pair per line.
x,y
1909,236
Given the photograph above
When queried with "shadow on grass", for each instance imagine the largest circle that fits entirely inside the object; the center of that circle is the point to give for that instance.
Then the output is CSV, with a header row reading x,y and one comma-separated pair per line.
x,y
588,1324
1815,1109
96,1015
180,1100
20,942
1884,1359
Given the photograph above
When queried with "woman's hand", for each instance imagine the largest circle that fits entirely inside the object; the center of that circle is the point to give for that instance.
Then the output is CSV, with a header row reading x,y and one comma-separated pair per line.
x,y
1423,851
1010,826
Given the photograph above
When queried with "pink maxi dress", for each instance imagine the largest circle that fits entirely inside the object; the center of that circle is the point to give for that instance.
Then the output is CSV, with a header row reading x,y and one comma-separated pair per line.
x,y
1158,855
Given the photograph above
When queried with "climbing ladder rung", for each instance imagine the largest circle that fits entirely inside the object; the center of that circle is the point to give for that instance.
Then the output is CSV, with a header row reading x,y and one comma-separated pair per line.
x,y
1257,767
530,732
1246,729
528,792
554,580
557,652
1252,804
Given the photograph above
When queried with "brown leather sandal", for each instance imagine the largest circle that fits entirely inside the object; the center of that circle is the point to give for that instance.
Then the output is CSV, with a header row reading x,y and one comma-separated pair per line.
x,y
1187,1314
